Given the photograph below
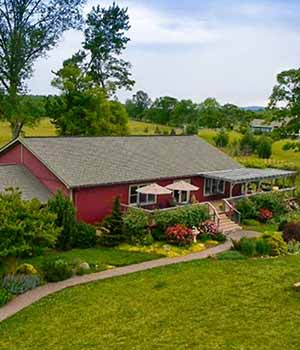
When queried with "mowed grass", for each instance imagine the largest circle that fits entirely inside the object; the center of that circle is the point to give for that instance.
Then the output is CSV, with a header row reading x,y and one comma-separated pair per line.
x,y
45,128
220,305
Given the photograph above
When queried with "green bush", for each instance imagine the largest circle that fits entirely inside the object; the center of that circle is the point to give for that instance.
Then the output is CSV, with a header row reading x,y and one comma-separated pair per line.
x,y
136,226
276,243
64,210
84,236
263,248
264,147
222,139
19,284
57,270
275,202
113,233
25,227
5,296
247,246
248,143
250,207
190,216
293,247
247,209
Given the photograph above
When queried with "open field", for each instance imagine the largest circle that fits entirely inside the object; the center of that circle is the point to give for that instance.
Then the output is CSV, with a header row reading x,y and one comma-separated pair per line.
x,y
210,304
45,128
279,155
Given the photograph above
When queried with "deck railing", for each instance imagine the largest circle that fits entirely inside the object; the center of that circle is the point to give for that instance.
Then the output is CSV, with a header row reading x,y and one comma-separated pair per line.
x,y
232,212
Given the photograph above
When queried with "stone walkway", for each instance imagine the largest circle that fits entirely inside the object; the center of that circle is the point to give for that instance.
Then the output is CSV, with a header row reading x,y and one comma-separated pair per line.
x,y
22,301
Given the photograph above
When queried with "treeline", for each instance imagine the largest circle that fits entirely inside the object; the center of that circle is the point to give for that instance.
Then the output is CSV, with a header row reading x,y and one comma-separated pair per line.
x,y
181,113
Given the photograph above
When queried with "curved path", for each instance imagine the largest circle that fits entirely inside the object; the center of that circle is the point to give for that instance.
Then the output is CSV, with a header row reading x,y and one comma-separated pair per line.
x,y
22,301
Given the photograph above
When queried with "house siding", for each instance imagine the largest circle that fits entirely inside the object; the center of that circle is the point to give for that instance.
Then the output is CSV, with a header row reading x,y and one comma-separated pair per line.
x,y
93,204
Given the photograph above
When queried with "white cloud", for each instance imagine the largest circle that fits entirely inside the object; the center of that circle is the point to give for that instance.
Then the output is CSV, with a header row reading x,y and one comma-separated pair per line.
x,y
188,57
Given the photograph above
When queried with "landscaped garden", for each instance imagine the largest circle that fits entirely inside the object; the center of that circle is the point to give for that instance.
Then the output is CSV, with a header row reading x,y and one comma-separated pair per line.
x,y
45,243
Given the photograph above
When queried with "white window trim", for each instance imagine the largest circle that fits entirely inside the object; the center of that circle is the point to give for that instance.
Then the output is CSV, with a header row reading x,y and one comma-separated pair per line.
x,y
180,192
209,194
140,203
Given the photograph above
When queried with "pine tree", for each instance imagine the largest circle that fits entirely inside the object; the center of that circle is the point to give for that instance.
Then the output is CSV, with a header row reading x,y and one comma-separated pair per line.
x,y
114,225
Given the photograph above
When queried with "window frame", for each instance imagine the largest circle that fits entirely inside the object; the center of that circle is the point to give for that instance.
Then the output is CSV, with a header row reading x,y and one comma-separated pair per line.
x,y
213,183
188,193
147,202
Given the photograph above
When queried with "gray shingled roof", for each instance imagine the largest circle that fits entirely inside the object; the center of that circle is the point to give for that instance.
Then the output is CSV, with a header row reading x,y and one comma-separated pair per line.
x,y
248,174
17,176
86,161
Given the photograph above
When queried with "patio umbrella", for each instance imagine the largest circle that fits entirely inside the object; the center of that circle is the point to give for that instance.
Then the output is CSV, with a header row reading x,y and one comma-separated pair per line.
x,y
182,186
154,189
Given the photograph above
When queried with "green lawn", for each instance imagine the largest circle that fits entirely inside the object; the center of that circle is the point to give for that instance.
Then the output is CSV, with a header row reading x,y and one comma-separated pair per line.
x,y
209,304
101,256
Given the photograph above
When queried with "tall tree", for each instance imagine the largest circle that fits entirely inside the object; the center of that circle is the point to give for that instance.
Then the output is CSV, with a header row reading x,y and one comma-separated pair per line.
x,y
28,30
83,108
105,40
162,109
210,114
185,112
138,105
285,99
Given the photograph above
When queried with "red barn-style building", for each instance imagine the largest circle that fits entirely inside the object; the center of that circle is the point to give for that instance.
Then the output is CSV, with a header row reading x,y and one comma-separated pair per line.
x,y
92,171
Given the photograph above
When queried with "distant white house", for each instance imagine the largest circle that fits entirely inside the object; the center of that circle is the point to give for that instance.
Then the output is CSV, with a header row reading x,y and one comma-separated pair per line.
x,y
264,126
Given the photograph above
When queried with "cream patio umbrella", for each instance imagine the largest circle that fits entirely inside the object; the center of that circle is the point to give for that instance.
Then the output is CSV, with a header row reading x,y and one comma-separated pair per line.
x,y
153,189
182,186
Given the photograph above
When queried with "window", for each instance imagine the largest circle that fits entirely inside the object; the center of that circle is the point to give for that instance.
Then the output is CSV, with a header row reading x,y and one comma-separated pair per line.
x,y
135,197
213,187
182,196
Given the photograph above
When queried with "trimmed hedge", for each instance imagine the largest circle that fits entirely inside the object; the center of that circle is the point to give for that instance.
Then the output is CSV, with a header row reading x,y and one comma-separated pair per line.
x,y
192,215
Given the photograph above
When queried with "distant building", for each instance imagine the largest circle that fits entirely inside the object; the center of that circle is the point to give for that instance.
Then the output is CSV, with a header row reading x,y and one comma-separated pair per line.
x,y
264,126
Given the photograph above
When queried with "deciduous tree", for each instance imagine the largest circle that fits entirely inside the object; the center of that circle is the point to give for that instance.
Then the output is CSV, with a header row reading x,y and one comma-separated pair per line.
x,y
28,30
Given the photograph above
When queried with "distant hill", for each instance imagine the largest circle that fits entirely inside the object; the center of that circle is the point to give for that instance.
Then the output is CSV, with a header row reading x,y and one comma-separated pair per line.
x,y
254,108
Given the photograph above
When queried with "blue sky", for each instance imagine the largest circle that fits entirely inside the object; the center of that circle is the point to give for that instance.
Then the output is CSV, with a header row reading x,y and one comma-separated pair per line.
x,y
227,49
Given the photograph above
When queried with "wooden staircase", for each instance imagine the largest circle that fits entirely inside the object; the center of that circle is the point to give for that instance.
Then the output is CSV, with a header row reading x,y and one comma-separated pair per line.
x,y
224,210
226,225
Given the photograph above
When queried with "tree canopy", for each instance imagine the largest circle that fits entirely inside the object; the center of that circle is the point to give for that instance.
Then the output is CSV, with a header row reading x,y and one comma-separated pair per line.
x,y
28,30
285,99
83,108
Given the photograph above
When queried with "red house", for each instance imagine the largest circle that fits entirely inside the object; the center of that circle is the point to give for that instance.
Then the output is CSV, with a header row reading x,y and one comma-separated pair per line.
x,y
92,171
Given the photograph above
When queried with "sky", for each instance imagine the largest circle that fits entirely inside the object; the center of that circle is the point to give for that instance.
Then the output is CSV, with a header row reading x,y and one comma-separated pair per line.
x,y
193,49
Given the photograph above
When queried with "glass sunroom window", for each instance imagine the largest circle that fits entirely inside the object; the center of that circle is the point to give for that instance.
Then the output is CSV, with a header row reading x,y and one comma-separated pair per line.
x,y
213,187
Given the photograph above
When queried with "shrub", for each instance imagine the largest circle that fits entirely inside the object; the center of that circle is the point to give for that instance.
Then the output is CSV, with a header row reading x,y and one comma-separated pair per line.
x,y
231,255
291,231
282,223
248,143
208,226
264,147
136,226
219,237
25,227
114,233
189,216
265,215
276,243
275,202
19,284
247,246
84,236
26,269
247,209
57,270
262,247
179,235
293,247
5,296
191,129
222,139
64,210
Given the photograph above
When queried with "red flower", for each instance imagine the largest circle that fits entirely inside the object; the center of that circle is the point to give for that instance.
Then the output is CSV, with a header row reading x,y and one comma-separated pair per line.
x,y
179,235
265,214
